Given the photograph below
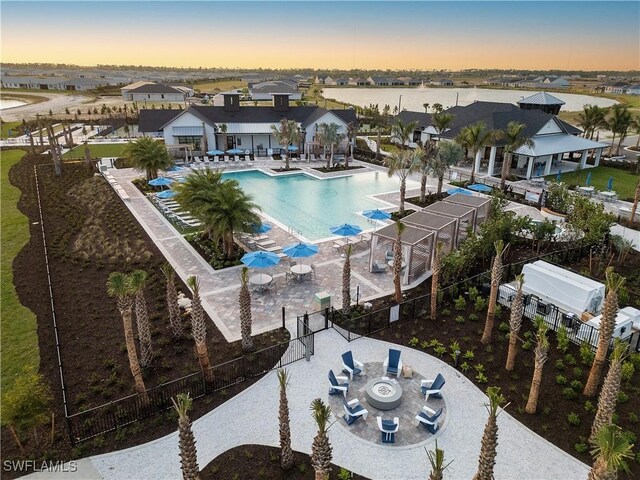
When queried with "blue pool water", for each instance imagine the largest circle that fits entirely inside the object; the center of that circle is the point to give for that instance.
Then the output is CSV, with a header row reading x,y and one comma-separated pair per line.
x,y
311,206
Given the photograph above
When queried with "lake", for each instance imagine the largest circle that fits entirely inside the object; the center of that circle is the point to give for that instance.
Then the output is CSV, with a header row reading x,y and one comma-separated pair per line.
x,y
413,98
4,104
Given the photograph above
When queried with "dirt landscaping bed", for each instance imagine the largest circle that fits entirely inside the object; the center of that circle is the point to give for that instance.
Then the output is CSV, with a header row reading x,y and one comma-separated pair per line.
x,y
90,233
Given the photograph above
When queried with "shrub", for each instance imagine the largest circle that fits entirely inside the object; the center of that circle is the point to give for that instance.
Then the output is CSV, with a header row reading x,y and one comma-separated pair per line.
x,y
468,355
414,342
627,371
586,353
481,377
460,319
635,359
561,380
424,345
498,310
481,303
473,317
479,367
528,335
560,364
622,397
563,339
570,359
633,417
577,372
569,393
473,293
440,350
445,312
465,367
344,474
573,419
527,345
460,303
504,327
581,447
577,385
588,406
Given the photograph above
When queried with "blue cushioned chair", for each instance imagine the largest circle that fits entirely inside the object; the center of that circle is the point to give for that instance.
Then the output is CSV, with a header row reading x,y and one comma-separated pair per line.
x,y
337,386
389,428
432,387
351,366
353,410
429,418
392,364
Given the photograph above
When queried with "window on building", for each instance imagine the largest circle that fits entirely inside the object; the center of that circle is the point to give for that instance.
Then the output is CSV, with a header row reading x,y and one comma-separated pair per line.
x,y
162,95
238,141
195,141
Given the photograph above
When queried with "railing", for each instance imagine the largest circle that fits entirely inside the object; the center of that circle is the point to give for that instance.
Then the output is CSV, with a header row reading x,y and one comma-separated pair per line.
x,y
111,416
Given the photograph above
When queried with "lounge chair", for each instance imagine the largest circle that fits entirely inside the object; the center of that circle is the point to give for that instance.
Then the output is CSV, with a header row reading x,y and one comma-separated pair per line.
x,y
338,386
352,367
206,160
226,158
339,243
389,428
216,158
392,364
429,418
236,158
375,268
432,387
353,411
266,243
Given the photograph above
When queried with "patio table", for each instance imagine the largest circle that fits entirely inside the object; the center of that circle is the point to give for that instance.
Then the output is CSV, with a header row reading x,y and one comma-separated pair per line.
x,y
403,264
260,280
301,270
609,196
586,190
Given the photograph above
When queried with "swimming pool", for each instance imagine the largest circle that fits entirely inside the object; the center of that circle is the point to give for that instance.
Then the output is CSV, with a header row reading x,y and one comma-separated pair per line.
x,y
311,206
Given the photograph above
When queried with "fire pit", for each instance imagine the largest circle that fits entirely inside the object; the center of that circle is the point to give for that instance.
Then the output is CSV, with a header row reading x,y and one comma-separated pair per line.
x,y
383,393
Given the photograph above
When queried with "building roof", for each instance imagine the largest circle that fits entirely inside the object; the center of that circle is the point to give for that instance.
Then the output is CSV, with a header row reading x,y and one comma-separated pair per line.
x,y
423,119
470,200
135,85
557,143
428,220
153,120
277,86
154,88
449,209
541,98
411,235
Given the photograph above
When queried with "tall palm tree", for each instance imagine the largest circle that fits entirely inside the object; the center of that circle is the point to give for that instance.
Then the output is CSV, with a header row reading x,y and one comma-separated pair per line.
x,y
441,121
608,398
428,163
330,138
402,132
474,138
287,134
449,154
402,164
286,453
397,261
488,452
148,156
138,283
186,440
245,311
636,199
636,129
619,122
175,321
513,137
426,107
199,328
541,354
437,461
346,282
352,133
611,449
585,120
119,286
515,322
496,277
607,324
321,452
436,268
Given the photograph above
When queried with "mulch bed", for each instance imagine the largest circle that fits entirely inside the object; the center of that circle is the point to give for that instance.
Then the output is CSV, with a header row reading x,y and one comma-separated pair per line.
x,y
280,170
555,402
90,233
251,462
337,169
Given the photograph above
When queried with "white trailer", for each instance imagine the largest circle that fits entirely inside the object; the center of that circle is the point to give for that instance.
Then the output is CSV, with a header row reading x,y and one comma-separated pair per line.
x,y
627,320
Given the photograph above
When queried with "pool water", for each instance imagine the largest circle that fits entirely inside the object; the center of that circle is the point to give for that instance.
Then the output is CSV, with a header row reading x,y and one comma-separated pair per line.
x,y
311,206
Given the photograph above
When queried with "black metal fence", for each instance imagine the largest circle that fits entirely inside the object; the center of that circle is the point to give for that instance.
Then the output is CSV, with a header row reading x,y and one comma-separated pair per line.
x,y
111,416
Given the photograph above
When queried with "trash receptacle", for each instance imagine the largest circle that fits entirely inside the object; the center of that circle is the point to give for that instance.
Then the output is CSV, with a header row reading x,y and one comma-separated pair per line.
x,y
322,300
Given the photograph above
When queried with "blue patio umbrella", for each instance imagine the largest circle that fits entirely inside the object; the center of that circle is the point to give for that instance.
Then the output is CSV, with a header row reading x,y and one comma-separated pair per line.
x,y
346,230
215,152
161,182
262,228
479,187
463,191
300,250
174,168
376,214
235,151
167,194
292,148
559,175
260,259
610,184
588,182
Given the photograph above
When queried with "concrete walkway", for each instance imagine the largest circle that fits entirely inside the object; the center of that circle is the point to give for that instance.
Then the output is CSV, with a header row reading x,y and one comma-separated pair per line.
x,y
252,417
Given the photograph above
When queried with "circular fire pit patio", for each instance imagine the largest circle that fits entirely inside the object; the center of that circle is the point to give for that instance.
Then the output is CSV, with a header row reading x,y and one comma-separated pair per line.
x,y
383,393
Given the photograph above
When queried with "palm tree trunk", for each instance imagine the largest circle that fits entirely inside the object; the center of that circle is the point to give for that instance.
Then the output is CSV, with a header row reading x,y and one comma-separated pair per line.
x,y
601,472
203,359
613,141
472,179
403,192
636,199
286,161
506,166
532,402
513,350
440,181
423,187
132,353
144,334
397,270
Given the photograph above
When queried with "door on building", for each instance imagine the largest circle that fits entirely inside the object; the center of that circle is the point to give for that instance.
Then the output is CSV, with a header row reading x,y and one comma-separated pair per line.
x,y
230,144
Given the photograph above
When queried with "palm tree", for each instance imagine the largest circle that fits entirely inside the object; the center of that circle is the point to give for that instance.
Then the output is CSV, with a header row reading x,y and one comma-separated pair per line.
x,y
438,108
186,440
402,132
636,129
426,107
330,138
119,286
199,328
541,354
437,461
287,134
607,324
474,138
496,277
513,138
428,163
608,398
245,311
397,261
636,199
138,282
321,452
346,282
148,156
585,120
352,133
403,163
619,122
286,453
175,321
515,322
436,267
610,449
449,154
488,452
441,121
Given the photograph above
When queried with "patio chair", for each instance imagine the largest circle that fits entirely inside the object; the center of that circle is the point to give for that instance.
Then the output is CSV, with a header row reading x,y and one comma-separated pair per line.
x,y
216,158
251,158
429,418
353,411
392,364
338,386
313,270
206,160
352,367
432,387
376,268
226,158
388,256
389,428
236,158
271,287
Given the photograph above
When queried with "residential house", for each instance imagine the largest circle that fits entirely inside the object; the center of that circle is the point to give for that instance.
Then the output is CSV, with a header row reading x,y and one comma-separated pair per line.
x,y
265,90
633,90
616,87
379,81
408,81
341,82
153,92
443,82
358,81
329,81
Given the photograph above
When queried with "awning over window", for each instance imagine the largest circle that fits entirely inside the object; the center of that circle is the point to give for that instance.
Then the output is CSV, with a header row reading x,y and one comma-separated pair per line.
x,y
248,128
187,131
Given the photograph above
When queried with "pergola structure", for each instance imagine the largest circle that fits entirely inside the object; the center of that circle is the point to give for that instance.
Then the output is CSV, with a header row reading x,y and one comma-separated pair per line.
x,y
417,249
444,228
480,204
180,147
464,216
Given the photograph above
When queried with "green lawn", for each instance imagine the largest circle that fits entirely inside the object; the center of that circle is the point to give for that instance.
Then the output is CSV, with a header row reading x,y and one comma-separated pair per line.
x,y
6,126
19,339
98,150
624,182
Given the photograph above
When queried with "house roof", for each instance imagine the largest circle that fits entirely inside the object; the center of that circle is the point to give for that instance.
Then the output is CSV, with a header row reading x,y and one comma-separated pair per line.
x,y
154,88
153,120
276,86
423,119
135,85
557,143
541,98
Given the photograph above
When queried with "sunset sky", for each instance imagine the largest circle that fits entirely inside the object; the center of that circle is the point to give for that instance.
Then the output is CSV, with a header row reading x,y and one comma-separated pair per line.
x,y
395,35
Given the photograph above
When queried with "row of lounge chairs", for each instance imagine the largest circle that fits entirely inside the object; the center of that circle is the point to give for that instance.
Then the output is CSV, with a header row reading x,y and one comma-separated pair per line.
x,y
262,242
362,239
173,211
222,158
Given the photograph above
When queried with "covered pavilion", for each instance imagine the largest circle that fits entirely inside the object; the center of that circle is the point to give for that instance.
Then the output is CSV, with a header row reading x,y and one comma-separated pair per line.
x,y
480,204
465,217
444,228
